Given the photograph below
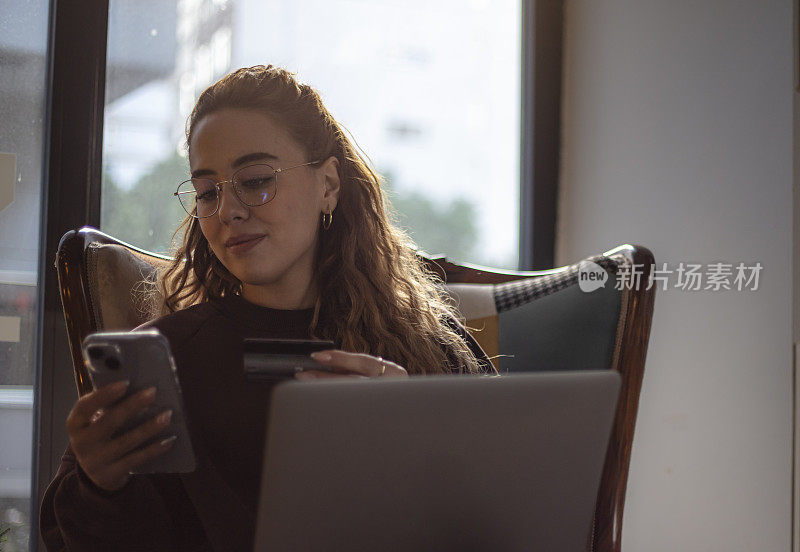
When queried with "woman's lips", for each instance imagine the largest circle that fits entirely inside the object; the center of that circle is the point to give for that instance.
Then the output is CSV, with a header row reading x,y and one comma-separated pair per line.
x,y
245,246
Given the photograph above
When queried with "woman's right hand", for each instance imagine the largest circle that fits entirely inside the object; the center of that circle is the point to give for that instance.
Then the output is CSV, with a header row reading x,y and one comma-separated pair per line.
x,y
93,421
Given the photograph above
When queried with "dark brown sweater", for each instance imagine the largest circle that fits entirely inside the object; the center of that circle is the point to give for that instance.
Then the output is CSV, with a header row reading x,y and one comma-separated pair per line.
x,y
214,507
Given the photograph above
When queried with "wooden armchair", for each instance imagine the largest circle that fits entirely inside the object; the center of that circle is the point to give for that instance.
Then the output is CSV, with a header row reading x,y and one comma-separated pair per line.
x,y
532,320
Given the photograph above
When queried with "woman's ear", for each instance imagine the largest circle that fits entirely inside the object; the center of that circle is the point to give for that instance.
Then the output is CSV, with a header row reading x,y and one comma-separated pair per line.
x,y
329,169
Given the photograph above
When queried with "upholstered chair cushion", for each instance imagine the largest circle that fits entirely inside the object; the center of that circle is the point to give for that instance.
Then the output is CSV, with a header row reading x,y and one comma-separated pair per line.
x,y
546,322
116,277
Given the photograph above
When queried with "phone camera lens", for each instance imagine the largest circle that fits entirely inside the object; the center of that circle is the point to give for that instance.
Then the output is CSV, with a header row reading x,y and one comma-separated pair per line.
x,y
95,353
112,363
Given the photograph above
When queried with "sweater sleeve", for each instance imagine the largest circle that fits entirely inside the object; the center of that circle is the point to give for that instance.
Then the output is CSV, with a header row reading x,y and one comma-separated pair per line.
x,y
76,515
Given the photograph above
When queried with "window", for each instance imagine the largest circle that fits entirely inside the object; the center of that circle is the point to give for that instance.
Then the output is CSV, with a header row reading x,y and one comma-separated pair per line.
x,y
23,44
429,91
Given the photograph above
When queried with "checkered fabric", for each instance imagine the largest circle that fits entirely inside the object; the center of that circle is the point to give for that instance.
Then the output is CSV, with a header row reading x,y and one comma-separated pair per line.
x,y
514,294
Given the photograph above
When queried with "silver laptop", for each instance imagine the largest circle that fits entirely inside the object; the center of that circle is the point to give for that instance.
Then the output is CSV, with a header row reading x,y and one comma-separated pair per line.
x,y
436,463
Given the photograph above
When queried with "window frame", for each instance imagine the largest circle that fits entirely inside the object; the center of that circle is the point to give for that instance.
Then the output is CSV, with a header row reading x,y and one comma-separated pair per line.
x,y
75,98
540,132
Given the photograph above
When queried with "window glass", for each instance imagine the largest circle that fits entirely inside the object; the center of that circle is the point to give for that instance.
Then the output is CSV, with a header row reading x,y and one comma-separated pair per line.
x,y
430,91
23,45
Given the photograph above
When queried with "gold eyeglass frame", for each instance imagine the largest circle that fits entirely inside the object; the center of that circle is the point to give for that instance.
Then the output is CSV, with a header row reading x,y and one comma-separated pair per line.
x,y
232,181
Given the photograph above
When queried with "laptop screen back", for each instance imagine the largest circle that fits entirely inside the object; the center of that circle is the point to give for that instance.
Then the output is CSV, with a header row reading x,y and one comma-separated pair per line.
x,y
436,463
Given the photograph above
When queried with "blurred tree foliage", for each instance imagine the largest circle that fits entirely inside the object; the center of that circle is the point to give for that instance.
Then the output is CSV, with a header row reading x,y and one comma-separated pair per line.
x,y
436,227
147,214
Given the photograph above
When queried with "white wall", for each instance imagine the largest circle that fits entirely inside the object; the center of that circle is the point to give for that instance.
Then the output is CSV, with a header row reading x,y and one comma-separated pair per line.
x,y
678,135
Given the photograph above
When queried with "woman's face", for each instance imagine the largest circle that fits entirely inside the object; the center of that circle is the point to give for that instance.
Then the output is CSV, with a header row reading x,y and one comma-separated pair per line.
x,y
270,248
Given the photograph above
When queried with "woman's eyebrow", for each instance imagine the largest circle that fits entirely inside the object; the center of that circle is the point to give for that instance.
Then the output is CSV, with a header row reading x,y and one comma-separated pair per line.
x,y
244,159
256,156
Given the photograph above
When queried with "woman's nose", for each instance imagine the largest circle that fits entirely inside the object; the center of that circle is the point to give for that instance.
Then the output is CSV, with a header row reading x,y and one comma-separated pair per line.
x,y
230,207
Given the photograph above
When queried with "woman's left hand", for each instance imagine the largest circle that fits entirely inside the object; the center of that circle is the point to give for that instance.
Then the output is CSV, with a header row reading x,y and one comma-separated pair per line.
x,y
357,365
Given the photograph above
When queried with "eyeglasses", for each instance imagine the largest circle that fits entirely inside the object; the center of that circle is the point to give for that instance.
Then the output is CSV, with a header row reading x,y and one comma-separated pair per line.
x,y
254,185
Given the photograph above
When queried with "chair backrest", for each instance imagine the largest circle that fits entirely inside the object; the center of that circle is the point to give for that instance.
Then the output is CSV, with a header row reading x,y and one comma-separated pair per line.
x,y
543,321
533,320
100,279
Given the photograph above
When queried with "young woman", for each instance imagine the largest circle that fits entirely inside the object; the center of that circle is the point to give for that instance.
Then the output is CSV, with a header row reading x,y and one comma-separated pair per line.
x,y
287,236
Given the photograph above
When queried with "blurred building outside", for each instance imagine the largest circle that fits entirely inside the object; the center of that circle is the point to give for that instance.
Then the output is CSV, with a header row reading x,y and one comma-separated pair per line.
x,y
433,101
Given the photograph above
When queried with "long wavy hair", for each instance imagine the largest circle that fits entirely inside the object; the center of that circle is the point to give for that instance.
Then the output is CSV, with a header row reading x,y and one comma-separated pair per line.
x,y
375,294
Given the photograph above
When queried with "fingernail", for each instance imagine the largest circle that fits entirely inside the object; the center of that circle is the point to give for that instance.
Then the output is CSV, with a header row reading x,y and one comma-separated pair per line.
x,y
168,440
149,393
120,386
323,357
164,417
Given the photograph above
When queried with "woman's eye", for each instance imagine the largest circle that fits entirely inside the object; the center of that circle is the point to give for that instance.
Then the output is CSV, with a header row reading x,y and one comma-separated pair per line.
x,y
206,196
256,182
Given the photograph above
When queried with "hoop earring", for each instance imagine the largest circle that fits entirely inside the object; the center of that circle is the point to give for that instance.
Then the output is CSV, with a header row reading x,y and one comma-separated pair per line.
x,y
327,219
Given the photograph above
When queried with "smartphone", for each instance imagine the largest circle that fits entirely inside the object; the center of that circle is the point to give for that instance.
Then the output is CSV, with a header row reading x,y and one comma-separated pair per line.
x,y
145,360
273,360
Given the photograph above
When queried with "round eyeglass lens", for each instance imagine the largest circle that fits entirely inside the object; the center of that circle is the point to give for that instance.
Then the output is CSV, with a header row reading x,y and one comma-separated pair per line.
x,y
256,184
198,197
